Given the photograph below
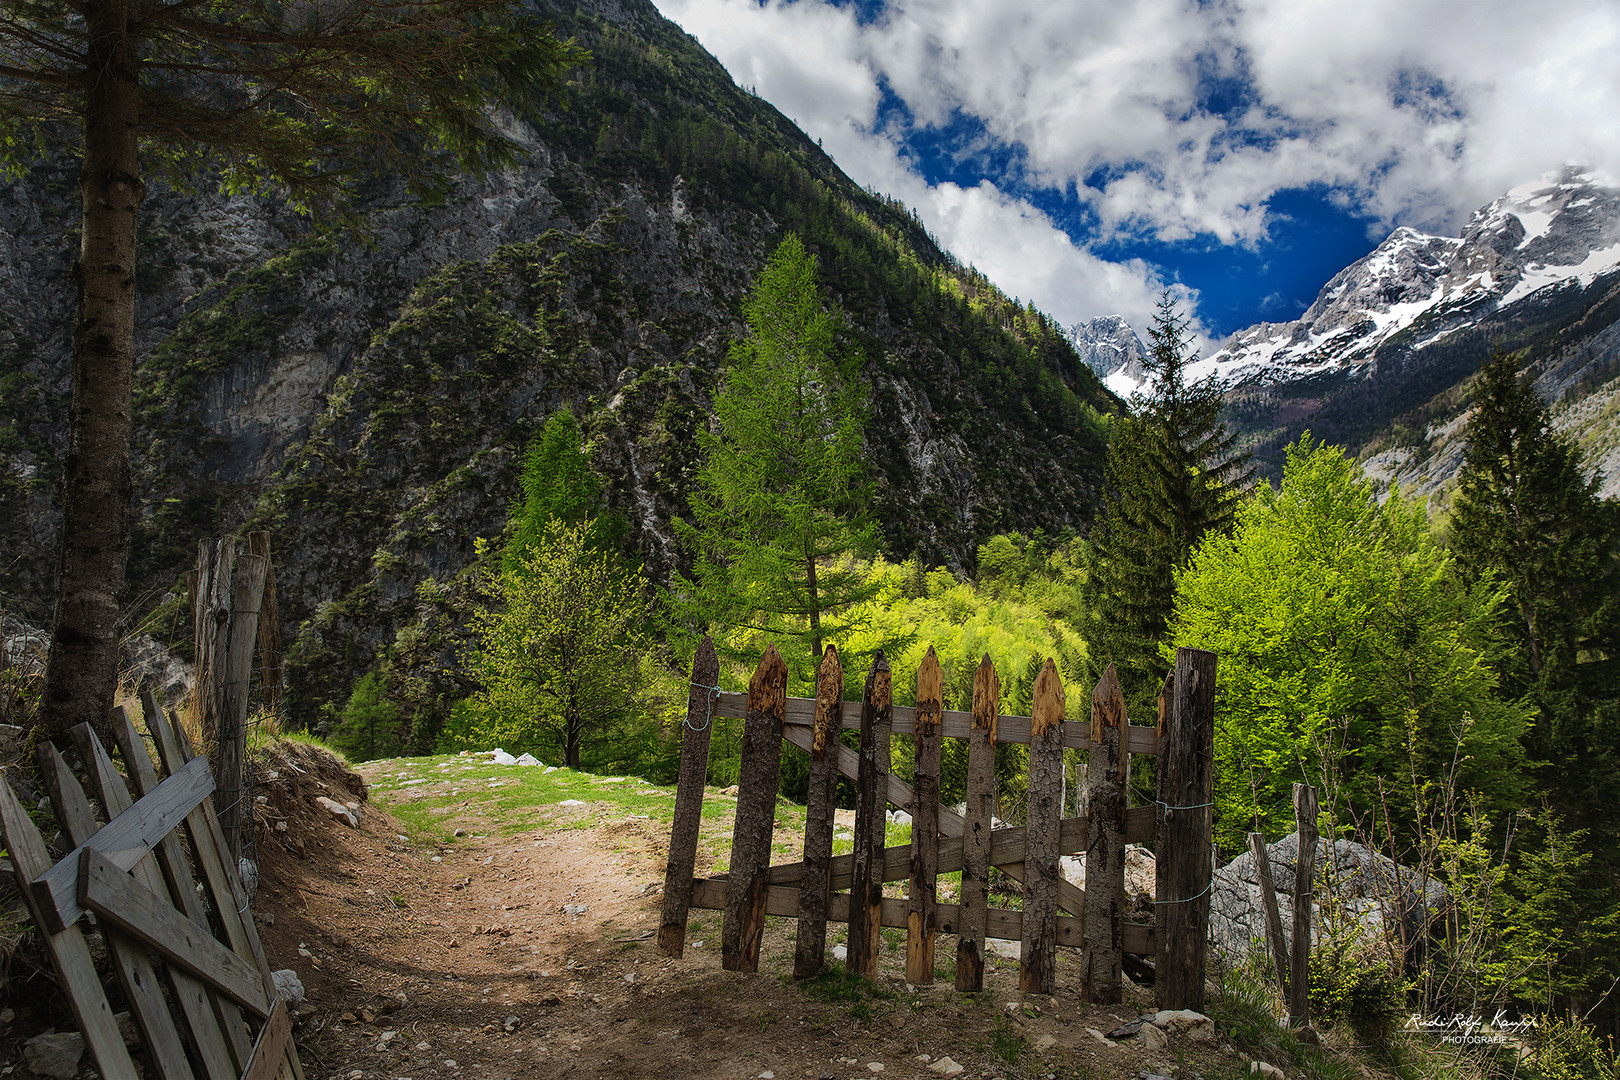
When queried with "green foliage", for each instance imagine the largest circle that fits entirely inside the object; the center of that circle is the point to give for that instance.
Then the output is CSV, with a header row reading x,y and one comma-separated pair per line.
x,y
781,499
558,486
369,725
1350,984
1571,1050
1525,514
1343,634
561,652
1172,477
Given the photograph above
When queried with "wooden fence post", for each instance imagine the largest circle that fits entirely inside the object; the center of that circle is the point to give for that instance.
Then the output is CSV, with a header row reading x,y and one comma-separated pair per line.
x,y
1184,872
683,834
810,943
1038,955
1268,898
981,777
871,820
247,593
1299,983
922,922
751,835
1107,780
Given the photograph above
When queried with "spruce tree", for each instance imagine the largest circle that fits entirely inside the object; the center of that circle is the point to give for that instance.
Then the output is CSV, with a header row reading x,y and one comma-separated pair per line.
x,y
780,507
1172,476
1526,512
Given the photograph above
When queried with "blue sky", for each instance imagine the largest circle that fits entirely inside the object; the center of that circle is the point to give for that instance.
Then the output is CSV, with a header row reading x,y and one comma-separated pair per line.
x,y
1088,153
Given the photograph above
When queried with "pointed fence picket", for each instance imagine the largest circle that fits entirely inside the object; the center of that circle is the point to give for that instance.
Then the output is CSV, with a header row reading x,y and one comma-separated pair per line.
x,y
849,888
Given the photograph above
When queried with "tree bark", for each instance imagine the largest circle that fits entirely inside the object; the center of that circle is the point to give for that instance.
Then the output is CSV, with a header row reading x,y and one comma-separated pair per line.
x,y
81,675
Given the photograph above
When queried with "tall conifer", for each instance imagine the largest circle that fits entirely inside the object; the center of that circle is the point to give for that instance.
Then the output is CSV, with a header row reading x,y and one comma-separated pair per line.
x,y
1172,476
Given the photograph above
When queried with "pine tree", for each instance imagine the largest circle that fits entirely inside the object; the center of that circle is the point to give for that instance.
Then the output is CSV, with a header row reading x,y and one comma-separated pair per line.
x,y
780,508
1526,512
1172,476
558,487
304,99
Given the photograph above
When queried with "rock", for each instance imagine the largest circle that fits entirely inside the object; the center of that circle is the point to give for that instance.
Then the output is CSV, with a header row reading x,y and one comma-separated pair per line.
x,y
128,1029
1100,1037
289,986
11,744
1141,870
1185,1022
575,909
1309,1034
248,871
572,802
1154,1038
1369,892
528,759
501,757
1007,950
1266,1070
512,1023
945,1067
840,953
843,819
732,790
899,817
1045,1042
459,833
337,810
875,1066
55,1053
355,810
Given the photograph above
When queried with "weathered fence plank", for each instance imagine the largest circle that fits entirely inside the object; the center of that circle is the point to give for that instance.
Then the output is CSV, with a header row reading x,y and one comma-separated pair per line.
x,y
783,900
683,834
1268,899
67,948
871,821
810,942
981,777
801,712
924,806
1038,952
125,841
130,962
247,593
1186,843
1107,781
759,771
1299,975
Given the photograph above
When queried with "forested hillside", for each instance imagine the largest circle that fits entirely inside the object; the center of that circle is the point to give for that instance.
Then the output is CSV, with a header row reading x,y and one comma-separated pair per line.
x,y
364,395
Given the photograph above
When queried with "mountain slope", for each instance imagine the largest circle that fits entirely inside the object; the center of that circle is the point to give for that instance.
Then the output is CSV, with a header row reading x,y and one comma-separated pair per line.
x,y
1381,361
366,401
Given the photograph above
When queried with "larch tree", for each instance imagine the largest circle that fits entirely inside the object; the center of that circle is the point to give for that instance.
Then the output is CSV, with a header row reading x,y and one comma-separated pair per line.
x,y
1172,476
301,99
780,506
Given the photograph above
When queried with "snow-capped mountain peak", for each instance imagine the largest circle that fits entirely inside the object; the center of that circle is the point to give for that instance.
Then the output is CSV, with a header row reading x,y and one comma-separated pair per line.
x,y
1113,350
1560,229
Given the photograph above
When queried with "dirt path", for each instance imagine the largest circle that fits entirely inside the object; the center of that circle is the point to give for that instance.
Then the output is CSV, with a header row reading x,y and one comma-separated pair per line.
x,y
530,955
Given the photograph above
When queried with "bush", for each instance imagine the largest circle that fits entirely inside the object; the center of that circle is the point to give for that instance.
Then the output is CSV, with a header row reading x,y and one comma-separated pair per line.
x,y
1572,1051
1349,984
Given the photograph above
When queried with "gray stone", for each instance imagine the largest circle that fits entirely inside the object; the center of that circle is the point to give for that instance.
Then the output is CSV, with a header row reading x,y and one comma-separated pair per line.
x,y
55,1053
248,871
337,810
289,986
1360,889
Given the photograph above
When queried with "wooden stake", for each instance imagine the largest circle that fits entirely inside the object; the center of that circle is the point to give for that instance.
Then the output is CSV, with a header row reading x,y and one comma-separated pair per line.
x,y
981,780
921,924
1299,982
1107,780
871,821
683,834
1268,899
1184,870
1038,955
759,771
247,592
810,943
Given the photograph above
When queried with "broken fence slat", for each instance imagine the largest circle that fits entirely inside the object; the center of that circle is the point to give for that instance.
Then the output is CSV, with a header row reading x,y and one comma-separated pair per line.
x,y
123,842
810,941
758,772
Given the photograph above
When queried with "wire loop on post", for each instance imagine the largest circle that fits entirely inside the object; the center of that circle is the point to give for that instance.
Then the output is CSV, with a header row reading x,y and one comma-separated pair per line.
x,y
712,696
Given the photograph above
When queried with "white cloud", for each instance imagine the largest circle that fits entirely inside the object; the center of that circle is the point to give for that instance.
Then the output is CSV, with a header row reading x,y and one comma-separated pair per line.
x,y
1416,113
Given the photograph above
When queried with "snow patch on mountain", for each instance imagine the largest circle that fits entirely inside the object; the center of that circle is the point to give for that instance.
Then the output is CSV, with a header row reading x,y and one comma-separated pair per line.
x,y
1562,229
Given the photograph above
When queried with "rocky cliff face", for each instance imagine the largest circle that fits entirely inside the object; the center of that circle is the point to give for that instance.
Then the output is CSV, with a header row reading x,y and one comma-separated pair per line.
x,y
365,397
1113,350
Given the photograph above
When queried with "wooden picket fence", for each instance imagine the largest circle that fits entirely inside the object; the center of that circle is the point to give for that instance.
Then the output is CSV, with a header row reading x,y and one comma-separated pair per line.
x,y
943,840
188,960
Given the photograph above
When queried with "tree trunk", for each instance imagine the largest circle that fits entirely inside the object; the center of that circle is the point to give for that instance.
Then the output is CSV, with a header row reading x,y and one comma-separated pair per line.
x,y
815,608
81,675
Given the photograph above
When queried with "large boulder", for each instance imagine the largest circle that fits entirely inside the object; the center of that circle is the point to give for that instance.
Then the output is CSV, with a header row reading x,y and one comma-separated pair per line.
x,y
1361,889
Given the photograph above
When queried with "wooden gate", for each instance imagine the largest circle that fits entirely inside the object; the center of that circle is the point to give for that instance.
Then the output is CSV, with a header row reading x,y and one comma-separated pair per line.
x,y
220,1016
943,840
